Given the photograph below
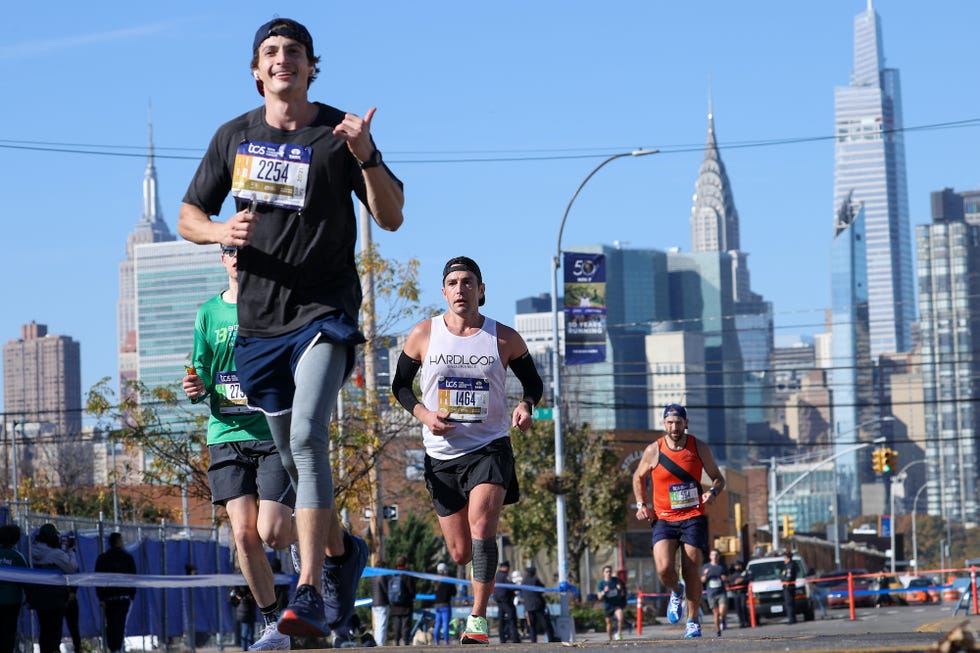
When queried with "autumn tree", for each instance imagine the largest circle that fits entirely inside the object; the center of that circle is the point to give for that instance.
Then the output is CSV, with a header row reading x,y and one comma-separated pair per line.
x,y
596,492
162,427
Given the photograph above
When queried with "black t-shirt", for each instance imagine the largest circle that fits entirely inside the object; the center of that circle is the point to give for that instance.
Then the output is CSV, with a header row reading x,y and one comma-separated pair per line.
x,y
299,264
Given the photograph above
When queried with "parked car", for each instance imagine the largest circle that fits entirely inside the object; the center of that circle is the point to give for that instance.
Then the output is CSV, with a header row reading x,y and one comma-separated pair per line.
x,y
835,582
918,591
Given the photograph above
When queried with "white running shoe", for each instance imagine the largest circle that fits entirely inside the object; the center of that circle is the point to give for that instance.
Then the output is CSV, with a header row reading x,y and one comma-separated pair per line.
x,y
271,640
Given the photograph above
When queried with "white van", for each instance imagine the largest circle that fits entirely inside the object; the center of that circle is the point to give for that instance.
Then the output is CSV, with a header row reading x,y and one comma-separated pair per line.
x,y
767,588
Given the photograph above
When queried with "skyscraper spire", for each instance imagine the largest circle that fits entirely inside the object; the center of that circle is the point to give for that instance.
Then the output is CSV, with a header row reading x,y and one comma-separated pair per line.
x,y
869,156
152,215
714,219
150,228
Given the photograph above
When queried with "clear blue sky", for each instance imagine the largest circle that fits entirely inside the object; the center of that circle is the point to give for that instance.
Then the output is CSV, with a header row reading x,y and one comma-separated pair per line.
x,y
491,113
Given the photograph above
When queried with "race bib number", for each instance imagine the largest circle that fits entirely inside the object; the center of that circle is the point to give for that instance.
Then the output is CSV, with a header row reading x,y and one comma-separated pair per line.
x,y
231,399
465,399
271,173
684,495
611,592
714,583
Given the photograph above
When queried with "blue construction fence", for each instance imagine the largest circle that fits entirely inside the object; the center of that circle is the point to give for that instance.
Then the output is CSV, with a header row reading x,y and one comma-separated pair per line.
x,y
168,603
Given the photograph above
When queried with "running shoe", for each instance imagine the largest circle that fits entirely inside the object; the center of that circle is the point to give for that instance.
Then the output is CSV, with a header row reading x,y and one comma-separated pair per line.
x,y
693,630
271,640
476,631
340,582
619,636
304,616
675,608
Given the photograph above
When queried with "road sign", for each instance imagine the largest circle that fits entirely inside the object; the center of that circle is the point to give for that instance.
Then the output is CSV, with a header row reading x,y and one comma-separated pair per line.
x,y
542,413
885,526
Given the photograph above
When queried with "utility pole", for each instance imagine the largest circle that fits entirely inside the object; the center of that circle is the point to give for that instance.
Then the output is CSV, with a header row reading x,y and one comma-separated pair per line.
x,y
371,380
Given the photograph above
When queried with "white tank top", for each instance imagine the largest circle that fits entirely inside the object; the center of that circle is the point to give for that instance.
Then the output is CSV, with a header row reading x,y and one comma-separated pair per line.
x,y
464,376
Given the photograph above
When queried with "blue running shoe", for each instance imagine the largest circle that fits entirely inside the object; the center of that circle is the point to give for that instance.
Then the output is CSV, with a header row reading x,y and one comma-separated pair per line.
x,y
675,608
340,582
303,617
693,630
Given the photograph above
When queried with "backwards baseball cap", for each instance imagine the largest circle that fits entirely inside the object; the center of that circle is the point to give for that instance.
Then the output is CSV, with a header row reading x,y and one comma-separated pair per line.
x,y
675,409
464,264
282,27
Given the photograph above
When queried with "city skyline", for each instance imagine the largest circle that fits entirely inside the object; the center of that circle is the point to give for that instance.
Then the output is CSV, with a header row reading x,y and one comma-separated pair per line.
x,y
501,152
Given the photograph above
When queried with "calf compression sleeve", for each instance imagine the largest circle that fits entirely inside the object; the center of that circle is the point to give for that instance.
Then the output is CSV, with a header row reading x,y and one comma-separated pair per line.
x,y
484,560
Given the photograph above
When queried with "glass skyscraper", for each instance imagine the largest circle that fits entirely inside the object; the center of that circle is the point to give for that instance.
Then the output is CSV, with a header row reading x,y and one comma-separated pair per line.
x,y
949,300
869,156
172,280
851,371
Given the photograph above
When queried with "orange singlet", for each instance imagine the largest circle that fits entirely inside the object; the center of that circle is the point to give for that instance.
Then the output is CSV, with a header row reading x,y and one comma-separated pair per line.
x,y
675,499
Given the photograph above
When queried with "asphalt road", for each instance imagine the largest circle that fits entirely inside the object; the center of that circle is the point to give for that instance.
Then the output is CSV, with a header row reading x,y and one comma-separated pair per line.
x,y
897,629
892,629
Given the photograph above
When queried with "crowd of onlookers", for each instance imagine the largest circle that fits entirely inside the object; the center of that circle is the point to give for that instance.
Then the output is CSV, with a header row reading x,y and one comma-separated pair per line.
x,y
56,605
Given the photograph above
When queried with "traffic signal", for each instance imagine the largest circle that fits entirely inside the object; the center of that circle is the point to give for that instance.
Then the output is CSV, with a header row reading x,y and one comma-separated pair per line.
x,y
891,461
789,528
878,460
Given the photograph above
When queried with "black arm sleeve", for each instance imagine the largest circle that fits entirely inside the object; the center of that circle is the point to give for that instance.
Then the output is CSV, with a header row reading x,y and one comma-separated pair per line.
x,y
401,385
527,374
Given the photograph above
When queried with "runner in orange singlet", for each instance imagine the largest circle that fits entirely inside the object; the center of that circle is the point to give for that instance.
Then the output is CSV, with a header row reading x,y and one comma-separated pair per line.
x,y
675,464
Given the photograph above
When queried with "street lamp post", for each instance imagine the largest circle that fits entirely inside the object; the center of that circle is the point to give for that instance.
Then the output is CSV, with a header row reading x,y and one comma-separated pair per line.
x,y
774,497
773,522
562,535
915,543
900,476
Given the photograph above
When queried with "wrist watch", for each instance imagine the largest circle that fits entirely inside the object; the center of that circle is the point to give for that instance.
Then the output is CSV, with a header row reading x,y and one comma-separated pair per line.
x,y
713,491
638,505
373,161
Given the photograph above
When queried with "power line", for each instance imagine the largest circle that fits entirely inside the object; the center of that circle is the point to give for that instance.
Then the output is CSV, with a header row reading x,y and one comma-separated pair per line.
x,y
464,156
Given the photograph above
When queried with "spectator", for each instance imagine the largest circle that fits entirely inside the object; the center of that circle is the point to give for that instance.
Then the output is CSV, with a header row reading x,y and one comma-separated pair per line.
x,y
50,601
115,601
443,605
244,603
11,594
738,587
535,608
401,598
506,610
788,577
379,605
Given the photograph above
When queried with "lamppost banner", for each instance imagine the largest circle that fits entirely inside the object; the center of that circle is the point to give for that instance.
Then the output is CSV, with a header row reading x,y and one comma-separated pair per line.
x,y
585,308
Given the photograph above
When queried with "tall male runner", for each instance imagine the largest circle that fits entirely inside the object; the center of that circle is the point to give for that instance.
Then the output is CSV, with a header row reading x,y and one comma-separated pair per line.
x,y
292,165
469,462
246,472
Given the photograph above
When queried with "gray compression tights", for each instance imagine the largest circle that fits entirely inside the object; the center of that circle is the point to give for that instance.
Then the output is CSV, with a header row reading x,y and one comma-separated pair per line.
x,y
302,436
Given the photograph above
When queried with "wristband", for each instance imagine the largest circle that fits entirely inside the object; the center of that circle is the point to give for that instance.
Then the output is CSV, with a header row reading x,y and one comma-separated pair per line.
x,y
713,491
